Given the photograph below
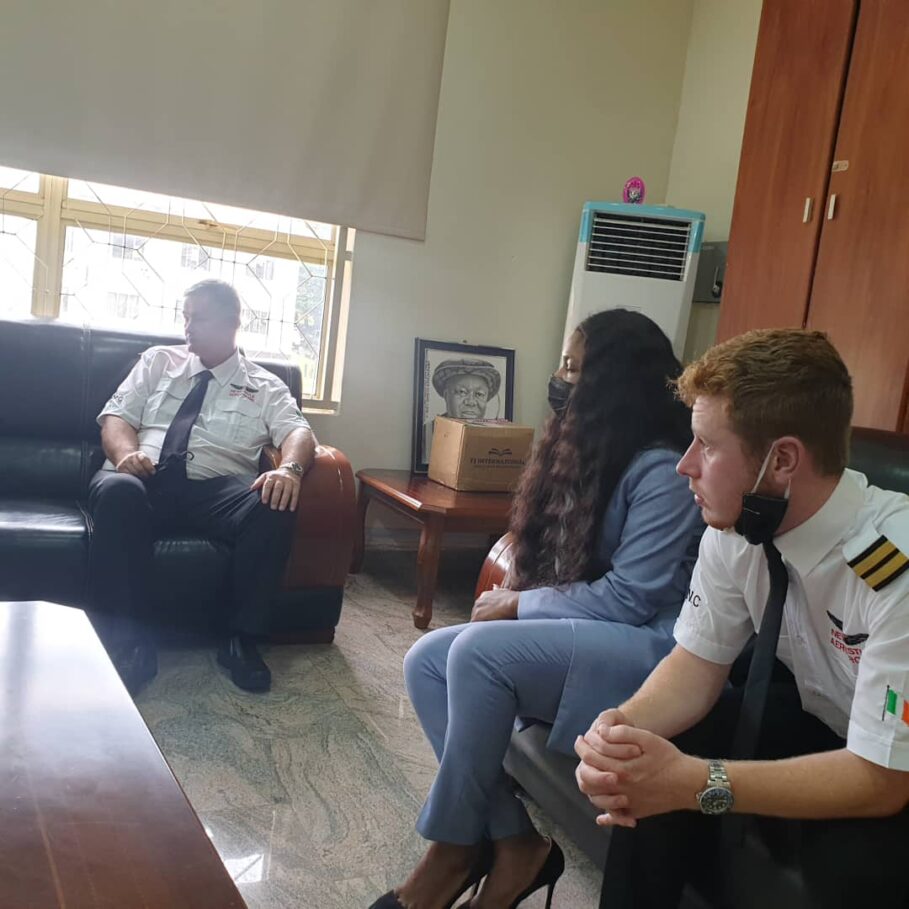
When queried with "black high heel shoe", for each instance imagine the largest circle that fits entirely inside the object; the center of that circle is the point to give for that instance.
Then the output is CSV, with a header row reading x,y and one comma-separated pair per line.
x,y
547,875
478,871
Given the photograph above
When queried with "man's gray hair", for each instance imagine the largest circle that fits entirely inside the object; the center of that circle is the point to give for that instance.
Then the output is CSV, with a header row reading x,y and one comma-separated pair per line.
x,y
219,292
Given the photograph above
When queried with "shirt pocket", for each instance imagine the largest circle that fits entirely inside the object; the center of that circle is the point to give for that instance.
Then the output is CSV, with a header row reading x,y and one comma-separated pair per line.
x,y
160,408
242,423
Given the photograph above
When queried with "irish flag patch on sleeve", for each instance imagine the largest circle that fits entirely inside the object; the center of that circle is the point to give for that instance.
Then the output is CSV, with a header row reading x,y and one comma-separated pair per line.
x,y
895,704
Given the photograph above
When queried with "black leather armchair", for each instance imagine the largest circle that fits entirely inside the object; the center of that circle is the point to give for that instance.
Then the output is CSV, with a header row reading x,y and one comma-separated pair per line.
x,y
548,777
54,380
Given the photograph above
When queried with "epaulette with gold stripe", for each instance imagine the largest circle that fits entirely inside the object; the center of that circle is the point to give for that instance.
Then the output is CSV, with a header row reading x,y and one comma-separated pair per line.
x,y
880,563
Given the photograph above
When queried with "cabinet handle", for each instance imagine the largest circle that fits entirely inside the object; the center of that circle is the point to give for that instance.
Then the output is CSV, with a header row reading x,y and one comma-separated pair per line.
x,y
806,213
831,207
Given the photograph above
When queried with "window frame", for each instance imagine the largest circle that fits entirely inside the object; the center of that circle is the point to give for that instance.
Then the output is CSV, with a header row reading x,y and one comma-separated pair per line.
x,y
55,212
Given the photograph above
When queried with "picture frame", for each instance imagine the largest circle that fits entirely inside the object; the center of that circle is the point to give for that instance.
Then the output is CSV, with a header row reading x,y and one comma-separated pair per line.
x,y
470,381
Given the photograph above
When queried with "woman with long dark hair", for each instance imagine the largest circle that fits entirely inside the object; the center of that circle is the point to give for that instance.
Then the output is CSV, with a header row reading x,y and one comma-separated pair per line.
x,y
605,539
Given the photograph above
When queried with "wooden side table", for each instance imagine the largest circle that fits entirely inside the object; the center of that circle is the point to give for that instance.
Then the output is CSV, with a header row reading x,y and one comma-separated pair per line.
x,y
436,509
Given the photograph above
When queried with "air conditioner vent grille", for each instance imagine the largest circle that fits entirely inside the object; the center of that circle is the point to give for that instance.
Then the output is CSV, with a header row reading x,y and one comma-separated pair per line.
x,y
638,246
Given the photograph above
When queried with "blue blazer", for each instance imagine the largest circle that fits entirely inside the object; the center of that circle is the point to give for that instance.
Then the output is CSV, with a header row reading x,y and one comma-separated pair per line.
x,y
623,620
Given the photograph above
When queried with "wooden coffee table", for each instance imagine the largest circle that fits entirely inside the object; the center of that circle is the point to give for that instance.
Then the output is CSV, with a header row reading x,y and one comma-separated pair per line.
x,y
90,814
436,509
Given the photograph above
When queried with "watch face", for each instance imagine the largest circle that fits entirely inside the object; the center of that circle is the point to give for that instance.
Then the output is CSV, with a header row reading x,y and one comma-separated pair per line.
x,y
715,800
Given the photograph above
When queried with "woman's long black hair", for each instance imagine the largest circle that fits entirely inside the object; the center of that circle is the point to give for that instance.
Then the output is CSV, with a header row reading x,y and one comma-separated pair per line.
x,y
622,404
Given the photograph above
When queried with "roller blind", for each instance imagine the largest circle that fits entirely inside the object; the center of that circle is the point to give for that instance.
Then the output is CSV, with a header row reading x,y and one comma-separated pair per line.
x,y
324,109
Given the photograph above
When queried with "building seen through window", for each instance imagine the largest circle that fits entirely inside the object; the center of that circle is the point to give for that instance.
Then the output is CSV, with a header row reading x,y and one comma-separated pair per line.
x,y
134,276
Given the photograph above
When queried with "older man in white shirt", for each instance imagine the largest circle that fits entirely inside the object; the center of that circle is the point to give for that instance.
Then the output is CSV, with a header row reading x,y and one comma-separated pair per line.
x,y
183,434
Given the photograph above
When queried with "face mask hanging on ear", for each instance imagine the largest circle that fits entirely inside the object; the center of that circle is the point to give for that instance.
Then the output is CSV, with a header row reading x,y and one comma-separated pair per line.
x,y
761,515
559,394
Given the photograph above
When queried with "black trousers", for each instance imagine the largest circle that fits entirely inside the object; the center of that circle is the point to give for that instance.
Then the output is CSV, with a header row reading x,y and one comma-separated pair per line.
x,y
128,514
843,862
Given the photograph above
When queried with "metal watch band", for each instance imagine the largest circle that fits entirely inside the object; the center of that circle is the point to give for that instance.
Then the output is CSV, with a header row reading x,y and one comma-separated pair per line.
x,y
716,773
293,467
717,797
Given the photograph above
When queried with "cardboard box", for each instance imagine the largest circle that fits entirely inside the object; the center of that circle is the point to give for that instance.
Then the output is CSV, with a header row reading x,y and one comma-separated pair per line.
x,y
479,456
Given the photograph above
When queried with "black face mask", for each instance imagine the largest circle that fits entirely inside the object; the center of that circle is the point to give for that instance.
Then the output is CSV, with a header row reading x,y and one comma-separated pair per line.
x,y
559,394
761,515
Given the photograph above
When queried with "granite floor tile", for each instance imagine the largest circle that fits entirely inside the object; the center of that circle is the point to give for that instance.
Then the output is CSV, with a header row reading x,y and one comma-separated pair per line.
x,y
407,747
310,792
270,853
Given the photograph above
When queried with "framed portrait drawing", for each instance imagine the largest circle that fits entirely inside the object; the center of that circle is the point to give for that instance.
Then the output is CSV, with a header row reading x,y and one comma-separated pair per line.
x,y
467,381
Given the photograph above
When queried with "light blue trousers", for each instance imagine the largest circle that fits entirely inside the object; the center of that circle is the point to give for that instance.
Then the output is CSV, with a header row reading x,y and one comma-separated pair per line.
x,y
467,684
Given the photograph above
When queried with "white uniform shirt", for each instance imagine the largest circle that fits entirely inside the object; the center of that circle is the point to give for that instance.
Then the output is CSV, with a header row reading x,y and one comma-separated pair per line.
x,y
245,408
846,643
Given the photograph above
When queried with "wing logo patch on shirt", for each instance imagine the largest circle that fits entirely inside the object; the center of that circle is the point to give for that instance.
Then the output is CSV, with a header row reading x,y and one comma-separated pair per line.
x,y
896,705
851,640
880,563
848,644
243,391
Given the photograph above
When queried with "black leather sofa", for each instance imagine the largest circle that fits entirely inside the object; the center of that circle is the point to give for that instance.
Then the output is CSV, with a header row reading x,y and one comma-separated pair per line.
x,y
54,379
548,777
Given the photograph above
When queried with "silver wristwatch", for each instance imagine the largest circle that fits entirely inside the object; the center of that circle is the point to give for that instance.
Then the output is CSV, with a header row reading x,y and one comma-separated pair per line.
x,y
295,468
717,798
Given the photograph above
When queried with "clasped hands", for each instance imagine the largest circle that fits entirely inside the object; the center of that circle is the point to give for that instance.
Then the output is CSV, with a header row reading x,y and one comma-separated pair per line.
x,y
630,773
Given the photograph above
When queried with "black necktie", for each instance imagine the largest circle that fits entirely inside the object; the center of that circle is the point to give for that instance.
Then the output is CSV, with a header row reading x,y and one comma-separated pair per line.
x,y
762,660
176,440
754,701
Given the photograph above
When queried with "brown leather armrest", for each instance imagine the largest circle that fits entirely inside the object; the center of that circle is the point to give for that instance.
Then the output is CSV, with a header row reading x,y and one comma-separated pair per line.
x,y
496,565
326,519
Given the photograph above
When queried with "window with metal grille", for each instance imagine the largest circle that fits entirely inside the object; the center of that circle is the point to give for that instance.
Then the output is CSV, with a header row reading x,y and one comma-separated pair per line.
x,y
124,246
192,256
264,269
123,306
639,246
91,253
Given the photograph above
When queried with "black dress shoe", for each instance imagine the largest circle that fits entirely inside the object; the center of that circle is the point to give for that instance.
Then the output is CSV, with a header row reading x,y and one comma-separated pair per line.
x,y
137,665
387,901
247,669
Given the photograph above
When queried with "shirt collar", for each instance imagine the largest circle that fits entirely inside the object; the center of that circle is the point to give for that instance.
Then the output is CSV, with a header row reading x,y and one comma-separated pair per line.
x,y
804,546
222,373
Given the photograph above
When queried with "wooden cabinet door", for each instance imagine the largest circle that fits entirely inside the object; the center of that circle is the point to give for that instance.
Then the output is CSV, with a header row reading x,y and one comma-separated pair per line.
x,y
793,108
860,294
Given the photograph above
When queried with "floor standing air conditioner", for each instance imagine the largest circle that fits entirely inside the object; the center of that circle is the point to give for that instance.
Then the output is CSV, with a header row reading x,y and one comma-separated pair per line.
x,y
640,257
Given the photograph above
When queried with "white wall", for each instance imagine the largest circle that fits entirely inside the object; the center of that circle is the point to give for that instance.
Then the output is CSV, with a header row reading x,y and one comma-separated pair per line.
x,y
708,139
544,104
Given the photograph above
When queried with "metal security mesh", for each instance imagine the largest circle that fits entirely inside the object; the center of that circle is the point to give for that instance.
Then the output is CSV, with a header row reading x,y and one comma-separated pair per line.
x,y
106,255
18,241
25,181
142,281
17,264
